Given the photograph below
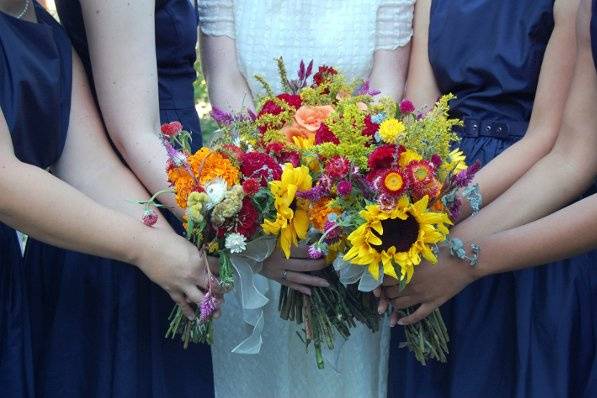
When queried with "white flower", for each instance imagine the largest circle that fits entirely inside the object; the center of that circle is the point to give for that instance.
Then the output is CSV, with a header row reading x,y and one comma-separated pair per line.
x,y
216,190
236,243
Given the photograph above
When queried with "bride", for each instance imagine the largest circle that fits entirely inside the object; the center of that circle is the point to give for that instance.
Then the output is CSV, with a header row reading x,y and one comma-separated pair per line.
x,y
366,39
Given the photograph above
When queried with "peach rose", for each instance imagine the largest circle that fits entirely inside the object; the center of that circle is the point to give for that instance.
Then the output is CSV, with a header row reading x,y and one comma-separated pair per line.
x,y
311,117
297,134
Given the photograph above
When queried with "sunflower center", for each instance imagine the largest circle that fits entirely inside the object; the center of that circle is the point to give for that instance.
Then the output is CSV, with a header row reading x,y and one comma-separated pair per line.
x,y
399,233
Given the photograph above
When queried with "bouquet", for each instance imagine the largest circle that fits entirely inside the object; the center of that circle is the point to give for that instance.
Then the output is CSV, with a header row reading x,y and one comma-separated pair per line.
x,y
223,212
368,184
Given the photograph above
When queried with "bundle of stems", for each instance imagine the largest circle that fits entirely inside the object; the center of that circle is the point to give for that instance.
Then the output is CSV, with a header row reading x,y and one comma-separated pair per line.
x,y
328,312
427,339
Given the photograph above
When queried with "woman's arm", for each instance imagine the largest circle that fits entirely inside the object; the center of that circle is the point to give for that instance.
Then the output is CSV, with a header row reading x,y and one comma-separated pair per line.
x,y
559,177
55,212
552,90
227,87
392,47
421,86
121,37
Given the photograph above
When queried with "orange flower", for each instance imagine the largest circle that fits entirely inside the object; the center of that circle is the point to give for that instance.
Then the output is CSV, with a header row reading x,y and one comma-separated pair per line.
x,y
318,214
183,184
207,165
311,117
297,135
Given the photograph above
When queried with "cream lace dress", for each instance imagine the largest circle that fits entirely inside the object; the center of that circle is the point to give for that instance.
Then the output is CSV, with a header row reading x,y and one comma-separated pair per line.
x,y
344,34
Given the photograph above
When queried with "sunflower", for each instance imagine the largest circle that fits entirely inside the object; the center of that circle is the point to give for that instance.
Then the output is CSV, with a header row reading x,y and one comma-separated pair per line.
x,y
398,237
292,219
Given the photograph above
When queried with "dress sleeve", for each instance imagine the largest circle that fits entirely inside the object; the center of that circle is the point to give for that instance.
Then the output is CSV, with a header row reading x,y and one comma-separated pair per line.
x,y
394,26
216,17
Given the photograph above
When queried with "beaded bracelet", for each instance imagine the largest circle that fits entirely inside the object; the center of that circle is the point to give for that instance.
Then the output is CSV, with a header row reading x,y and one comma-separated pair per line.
x,y
458,250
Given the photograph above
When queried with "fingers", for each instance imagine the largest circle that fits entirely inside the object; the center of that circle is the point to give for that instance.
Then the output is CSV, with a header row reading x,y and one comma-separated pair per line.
x,y
300,251
421,313
194,295
186,308
301,288
394,318
392,292
401,303
305,279
302,265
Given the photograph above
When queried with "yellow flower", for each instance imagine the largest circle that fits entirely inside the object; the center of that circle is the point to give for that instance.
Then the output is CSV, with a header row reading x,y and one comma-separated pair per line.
x,y
213,246
408,156
399,237
194,213
292,220
196,198
393,181
390,129
457,161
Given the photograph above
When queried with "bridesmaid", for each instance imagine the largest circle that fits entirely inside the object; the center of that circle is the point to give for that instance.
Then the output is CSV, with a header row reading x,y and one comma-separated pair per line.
x,y
570,230
508,334
42,129
140,57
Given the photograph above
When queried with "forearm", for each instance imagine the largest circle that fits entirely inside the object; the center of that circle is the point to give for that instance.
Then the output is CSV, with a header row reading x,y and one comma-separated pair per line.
x,y
567,232
228,89
388,74
502,172
59,215
556,180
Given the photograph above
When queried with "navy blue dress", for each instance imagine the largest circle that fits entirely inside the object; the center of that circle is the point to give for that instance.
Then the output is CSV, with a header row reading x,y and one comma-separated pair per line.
x,y
530,333
35,92
105,334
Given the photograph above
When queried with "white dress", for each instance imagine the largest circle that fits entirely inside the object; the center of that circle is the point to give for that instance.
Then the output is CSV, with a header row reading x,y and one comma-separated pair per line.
x,y
340,33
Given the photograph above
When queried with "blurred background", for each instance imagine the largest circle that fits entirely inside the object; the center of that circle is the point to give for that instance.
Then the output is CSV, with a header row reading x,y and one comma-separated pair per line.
x,y
202,102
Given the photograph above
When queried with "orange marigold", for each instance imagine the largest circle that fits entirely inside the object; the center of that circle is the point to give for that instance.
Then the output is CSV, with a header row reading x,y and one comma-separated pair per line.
x,y
183,184
208,164
318,213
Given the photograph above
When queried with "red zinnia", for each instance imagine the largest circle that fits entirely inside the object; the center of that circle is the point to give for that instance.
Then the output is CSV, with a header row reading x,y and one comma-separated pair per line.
x,y
271,108
251,186
260,166
406,106
420,173
274,148
171,129
370,128
337,167
248,219
323,135
384,157
323,74
292,157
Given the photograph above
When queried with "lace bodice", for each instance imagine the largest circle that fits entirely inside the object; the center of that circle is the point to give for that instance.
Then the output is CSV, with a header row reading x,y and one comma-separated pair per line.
x,y
342,33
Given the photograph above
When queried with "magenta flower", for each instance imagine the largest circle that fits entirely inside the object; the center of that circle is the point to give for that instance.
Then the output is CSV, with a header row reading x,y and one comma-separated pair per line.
x,y
406,106
314,252
208,306
344,188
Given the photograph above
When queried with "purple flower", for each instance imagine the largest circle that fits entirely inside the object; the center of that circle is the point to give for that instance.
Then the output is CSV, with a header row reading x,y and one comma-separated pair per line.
x,y
314,252
465,177
436,160
314,194
406,106
454,208
221,117
344,188
365,89
332,231
208,306
177,157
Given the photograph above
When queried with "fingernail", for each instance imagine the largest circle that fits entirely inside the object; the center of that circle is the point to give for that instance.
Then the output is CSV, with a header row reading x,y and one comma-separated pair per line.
x,y
392,323
379,310
325,284
401,322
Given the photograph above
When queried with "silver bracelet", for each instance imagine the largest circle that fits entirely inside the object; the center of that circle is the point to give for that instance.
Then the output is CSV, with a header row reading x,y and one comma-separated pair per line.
x,y
458,250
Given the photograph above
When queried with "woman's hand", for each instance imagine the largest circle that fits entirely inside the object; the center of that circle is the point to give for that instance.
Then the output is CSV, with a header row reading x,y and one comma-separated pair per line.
x,y
179,268
292,272
431,286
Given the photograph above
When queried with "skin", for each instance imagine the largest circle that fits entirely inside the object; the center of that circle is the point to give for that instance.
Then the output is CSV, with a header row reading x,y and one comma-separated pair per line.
x,y
515,231
87,209
229,90
554,83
